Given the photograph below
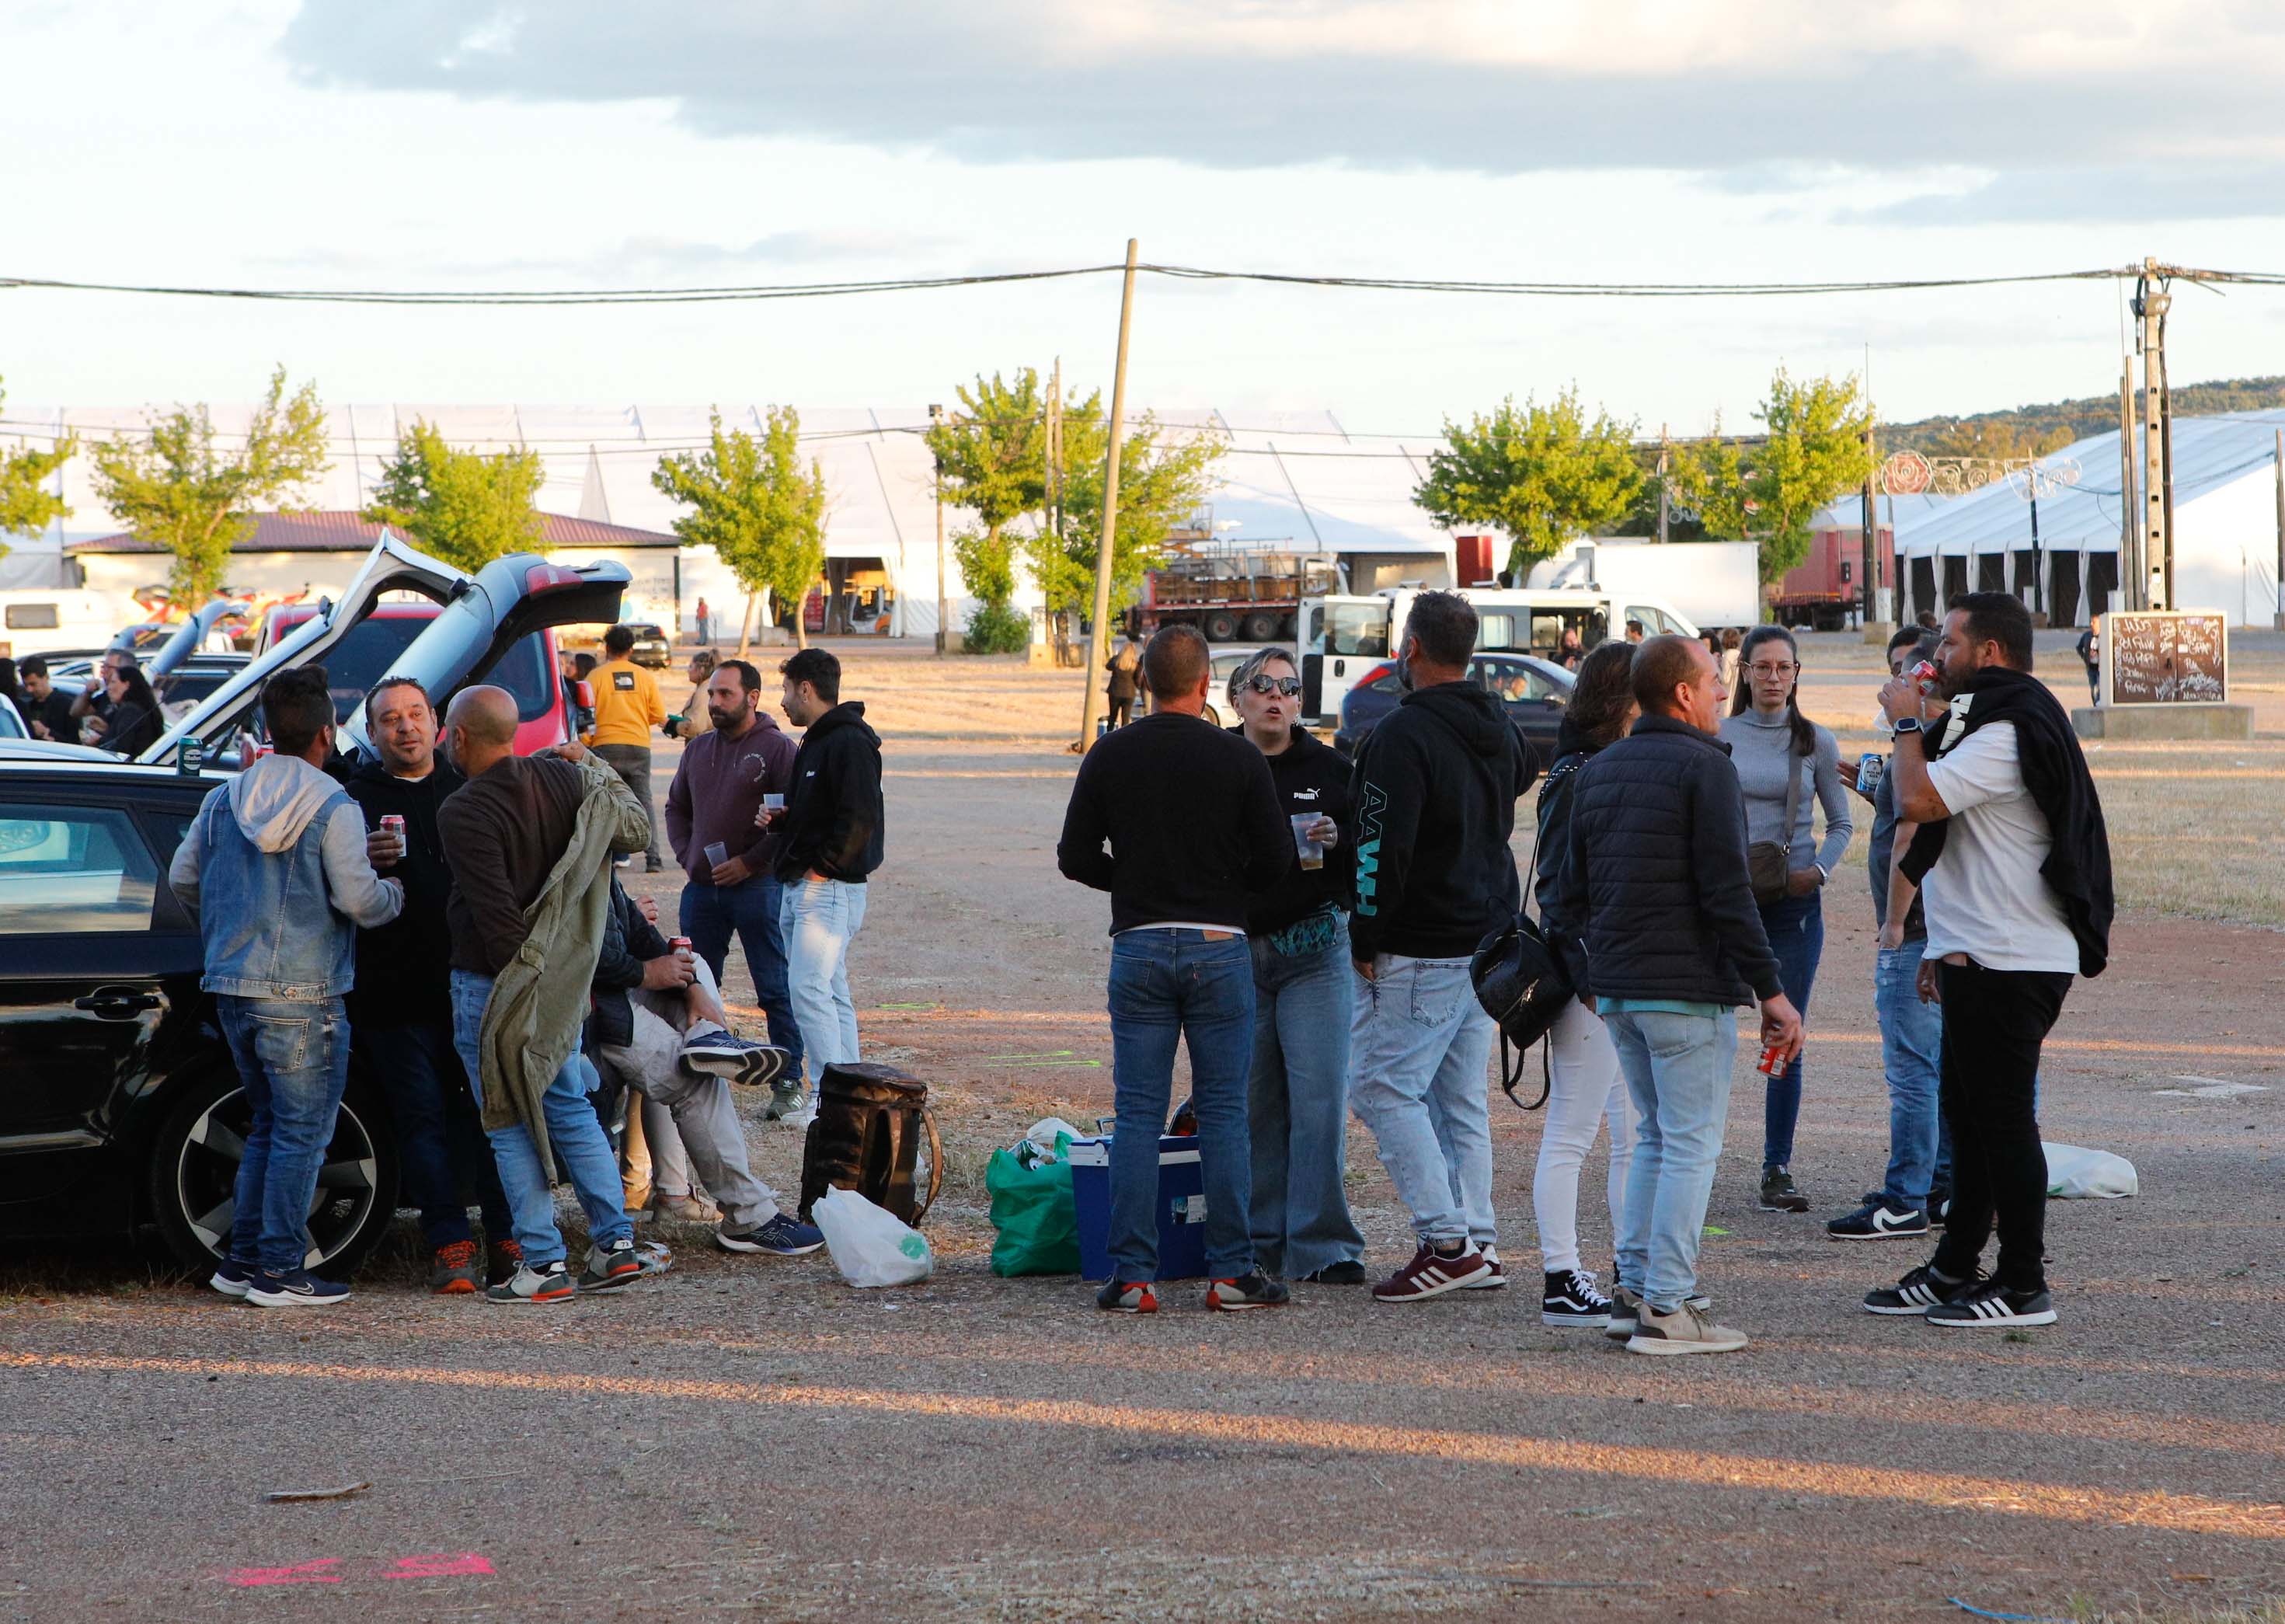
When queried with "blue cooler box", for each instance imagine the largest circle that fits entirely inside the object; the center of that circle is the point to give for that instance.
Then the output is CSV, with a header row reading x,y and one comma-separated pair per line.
x,y
1181,1207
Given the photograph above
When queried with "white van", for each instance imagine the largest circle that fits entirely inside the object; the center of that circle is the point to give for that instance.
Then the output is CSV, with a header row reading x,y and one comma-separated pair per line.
x,y
38,619
1344,638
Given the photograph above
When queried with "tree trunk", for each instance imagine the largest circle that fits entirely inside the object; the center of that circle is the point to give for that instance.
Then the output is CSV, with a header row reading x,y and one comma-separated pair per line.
x,y
746,628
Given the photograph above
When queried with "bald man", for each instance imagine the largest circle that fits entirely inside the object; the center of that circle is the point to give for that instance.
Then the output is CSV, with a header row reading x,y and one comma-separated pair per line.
x,y
503,833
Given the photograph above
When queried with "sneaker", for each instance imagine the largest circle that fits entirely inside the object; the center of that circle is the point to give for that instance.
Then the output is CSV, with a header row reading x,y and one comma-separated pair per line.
x,y
1252,1290
1494,1278
1431,1274
654,865
800,1118
1779,1194
231,1278
623,862
1877,1220
502,1259
684,1209
452,1270
1685,1330
1347,1272
1570,1298
1994,1306
550,1283
785,1098
295,1289
783,1236
614,1264
735,1059
1127,1297
1916,1293
1624,1314
1939,1207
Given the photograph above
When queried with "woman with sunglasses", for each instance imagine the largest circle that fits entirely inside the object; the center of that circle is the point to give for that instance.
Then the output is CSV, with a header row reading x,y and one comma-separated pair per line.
x,y
133,724
1298,1097
1788,766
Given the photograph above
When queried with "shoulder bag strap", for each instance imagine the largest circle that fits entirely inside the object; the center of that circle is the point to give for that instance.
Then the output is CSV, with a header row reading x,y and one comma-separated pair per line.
x,y
1793,792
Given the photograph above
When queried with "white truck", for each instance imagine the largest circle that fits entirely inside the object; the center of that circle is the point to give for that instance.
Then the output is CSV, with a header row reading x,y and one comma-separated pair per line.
x,y
1343,638
44,619
1714,583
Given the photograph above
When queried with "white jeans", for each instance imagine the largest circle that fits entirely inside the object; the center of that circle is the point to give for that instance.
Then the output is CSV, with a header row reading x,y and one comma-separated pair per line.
x,y
1588,1086
818,919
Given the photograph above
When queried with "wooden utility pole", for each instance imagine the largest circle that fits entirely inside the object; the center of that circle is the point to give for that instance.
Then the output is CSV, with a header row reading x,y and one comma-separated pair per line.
x,y
1661,482
2150,304
942,614
1099,639
1868,613
2130,529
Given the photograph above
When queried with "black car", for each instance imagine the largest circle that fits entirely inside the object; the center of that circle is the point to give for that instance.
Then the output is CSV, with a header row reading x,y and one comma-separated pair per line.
x,y
1533,690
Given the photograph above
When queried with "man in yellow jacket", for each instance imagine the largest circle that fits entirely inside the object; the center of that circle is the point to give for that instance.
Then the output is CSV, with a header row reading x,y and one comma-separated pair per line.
x,y
627,707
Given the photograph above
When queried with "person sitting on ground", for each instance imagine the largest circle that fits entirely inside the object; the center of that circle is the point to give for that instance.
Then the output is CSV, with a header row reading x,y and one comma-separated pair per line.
x,y
690,721
660,1026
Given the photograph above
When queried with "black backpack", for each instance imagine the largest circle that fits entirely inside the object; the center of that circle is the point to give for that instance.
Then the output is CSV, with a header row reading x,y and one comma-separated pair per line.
x,y
1522,985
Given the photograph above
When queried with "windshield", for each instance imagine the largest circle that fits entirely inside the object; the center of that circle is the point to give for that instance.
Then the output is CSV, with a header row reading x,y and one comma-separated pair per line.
x,y
372,650
1356,629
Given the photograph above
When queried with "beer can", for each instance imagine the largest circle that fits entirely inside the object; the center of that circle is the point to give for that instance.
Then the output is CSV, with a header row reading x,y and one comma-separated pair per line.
x,y
1925,677
1869,771
1772,1061
191,758
392,824
677,943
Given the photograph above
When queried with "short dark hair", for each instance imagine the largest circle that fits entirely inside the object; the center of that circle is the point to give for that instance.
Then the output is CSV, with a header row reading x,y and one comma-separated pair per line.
x,y
1604,689
818,668
2001,618
1175,661
581,664
619,640
298,704
373,694
749,679
1904,635
1444,624
32,666
1663,664
707,659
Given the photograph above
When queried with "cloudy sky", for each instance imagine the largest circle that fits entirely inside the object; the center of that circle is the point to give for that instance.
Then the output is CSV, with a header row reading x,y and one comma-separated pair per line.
x,y
429,144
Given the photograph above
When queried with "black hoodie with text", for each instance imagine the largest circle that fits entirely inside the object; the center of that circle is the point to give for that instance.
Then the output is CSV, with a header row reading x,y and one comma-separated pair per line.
x,y
1435,791
833,822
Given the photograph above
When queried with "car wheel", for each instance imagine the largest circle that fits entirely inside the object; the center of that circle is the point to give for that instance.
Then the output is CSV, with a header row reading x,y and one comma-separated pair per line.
x,y
193,1176
1221,627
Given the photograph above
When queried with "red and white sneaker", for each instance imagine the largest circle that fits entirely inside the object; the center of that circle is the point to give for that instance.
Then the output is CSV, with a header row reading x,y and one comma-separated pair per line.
x,y
1494,1279
1431,1274
1127,1297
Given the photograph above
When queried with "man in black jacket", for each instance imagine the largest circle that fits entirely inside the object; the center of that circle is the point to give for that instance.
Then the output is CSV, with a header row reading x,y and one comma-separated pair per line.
x,y
1435,789
1656,872
401,1008
2014,865
829,840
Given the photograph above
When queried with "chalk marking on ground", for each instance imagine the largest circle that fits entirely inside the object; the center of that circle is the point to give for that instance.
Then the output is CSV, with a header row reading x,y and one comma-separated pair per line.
x,y
2210,1088
2058,1503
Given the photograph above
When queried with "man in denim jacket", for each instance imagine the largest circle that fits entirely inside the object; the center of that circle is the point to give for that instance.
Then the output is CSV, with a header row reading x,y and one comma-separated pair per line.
x,y
278,857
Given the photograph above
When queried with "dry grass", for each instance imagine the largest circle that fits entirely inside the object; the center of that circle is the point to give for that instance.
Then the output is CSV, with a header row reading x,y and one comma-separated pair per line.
x,y
2083,1611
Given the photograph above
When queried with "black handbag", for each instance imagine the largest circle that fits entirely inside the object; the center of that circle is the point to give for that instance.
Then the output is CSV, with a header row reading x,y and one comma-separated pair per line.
x,y
1769,863
1522,986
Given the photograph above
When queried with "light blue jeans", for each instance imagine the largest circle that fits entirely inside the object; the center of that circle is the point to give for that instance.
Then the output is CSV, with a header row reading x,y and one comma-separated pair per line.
x,y
574,1131
817,919
293,1061
1419,1045
1911,1040
1296,1107
1677,1070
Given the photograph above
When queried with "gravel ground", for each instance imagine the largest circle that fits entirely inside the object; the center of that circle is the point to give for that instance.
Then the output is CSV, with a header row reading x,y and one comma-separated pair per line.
x,y
750,1438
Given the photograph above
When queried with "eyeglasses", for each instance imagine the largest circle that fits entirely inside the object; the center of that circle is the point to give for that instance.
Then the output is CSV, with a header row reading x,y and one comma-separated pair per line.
x,y
1774,670
1290,686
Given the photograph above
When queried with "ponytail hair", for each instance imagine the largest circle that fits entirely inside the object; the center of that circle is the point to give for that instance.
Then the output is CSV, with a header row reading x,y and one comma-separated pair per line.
x,y
1804,732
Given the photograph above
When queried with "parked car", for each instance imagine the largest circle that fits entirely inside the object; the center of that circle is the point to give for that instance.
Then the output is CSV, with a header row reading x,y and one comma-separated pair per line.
x,y
651,649
1534,692
11,720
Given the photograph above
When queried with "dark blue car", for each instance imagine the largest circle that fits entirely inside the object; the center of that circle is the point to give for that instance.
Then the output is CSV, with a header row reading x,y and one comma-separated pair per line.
x,y
1533,691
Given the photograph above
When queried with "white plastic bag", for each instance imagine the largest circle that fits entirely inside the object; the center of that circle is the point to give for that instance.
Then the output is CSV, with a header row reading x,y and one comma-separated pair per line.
x,y
2073,1172
871,1247
1039,1147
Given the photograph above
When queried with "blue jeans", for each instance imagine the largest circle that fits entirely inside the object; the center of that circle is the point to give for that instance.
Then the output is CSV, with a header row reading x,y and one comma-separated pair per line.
x,y
1165,986
1418,1042
1796,932
574,1131
710,913
1677,1068
817,919
1297,1108
294,1062
1911,1041
440,1135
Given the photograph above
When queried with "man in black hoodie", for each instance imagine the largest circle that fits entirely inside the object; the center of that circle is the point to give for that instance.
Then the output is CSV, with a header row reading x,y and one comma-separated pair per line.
x,y
401,1008
2014,868
1435,789
829,840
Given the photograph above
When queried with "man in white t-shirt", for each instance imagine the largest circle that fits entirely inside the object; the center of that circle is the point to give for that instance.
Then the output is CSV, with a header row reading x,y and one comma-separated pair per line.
x,y
2001,948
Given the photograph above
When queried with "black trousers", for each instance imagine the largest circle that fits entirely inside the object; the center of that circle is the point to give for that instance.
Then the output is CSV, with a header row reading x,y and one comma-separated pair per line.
x,y
1994,1022
1122,712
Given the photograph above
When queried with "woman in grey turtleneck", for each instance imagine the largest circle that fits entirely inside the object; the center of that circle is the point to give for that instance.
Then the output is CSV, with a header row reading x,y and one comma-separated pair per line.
x,y
1770,742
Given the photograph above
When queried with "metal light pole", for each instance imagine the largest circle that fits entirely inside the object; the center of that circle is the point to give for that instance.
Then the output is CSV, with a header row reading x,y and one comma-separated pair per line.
x,y
1099,639
943,624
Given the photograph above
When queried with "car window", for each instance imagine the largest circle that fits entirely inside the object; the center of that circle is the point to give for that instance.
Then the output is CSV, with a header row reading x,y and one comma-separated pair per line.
x,y
1496,631
1356,629
522,671
11,726
70,869
33,617
1654,623
1513,681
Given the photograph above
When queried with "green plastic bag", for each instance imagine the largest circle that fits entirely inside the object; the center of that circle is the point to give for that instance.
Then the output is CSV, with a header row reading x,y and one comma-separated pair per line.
x,y
1035,1224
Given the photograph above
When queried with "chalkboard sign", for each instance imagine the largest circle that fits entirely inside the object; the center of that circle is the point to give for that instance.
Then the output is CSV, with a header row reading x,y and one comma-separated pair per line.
x,y
2165,657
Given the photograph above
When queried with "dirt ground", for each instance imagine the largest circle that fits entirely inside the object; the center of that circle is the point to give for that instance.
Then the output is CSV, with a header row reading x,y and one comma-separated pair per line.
x,y
752,1438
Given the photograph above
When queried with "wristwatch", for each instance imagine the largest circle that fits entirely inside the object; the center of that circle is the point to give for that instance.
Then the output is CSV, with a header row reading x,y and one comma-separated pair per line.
x,y
1905,724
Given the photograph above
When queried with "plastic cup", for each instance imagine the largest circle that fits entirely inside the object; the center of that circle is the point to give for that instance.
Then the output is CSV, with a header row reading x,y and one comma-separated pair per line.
x,y
773,802
717,854
1313,855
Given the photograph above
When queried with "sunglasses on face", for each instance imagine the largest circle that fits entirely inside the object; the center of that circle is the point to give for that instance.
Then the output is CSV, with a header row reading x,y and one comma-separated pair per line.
x,y
1290,686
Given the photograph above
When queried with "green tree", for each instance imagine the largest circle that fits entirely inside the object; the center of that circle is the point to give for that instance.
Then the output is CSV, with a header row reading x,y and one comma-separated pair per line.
x,y
993,451
173,488
1814,449
27,506
464,508
1709,483
1161,482
1543,475
753,502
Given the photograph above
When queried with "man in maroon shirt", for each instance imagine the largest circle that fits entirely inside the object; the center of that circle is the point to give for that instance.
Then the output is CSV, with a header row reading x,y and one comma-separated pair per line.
x,y
710,822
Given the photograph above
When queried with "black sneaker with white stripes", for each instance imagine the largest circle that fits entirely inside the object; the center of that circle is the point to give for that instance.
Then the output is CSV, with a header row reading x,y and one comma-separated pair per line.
x,y
1877,1220
1916,1293
1994,1306
1572,1300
